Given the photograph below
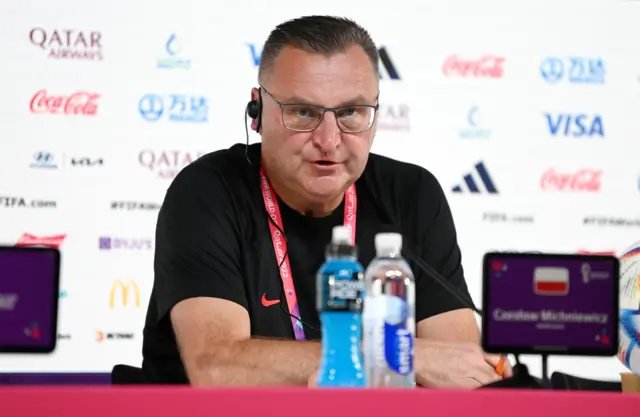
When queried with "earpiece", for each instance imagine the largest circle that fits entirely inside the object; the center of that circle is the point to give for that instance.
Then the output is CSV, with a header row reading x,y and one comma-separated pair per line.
x,y
254,110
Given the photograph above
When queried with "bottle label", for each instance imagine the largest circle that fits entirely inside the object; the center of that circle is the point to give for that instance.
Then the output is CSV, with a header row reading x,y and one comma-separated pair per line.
x,y
398,337
341,292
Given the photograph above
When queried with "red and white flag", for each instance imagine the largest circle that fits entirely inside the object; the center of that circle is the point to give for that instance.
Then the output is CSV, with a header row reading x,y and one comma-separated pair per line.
x,y
551,281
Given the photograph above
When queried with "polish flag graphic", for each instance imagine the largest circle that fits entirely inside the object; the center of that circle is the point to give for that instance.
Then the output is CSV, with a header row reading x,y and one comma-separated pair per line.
x,y
551,281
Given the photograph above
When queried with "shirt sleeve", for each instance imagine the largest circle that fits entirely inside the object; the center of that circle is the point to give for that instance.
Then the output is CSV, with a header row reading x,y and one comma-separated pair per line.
x,y
440,250
197,251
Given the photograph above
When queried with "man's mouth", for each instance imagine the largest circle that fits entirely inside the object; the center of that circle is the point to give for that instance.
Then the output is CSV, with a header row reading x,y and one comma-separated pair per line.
x,y
325,163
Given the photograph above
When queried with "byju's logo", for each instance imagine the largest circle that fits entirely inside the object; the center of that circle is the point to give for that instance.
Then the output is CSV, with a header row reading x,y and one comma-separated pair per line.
x,y
174,107
116,243
388,70
471,185
576,125
172,60
575,70
474,128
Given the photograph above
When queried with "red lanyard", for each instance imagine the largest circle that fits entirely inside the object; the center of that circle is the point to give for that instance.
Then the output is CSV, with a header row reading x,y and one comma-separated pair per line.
x,y
280,244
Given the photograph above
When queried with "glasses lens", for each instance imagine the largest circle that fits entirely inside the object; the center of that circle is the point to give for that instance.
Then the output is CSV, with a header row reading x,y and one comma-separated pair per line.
x,y
306,118
355,118
300,117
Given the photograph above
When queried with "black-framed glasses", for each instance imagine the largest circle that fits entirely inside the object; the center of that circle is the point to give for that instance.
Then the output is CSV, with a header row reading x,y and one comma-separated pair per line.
x,y
307,117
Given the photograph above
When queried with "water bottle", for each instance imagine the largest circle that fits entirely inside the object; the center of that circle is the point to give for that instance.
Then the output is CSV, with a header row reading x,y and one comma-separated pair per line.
x,y
340,298
389,317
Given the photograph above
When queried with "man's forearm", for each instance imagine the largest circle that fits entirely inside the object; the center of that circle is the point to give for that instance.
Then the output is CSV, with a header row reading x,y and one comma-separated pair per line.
x,y
258,362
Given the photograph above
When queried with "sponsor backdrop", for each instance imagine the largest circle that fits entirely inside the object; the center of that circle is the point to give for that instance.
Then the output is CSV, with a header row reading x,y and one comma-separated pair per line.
x,y
525,111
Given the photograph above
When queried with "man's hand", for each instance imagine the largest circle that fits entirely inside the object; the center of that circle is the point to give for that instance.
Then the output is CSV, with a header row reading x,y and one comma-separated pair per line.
x,y
455,365
451,365
313,380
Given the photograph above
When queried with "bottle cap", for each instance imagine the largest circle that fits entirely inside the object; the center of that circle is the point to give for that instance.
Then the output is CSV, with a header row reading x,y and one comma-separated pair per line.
x,y
388,243
341,235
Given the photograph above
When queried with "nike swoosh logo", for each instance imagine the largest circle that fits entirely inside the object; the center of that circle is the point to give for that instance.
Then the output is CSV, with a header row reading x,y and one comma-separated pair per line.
x,y
268,303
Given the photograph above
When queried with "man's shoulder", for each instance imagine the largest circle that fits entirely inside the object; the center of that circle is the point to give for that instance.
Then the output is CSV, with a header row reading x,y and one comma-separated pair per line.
x,y
214,180
225,167
404,177
230,162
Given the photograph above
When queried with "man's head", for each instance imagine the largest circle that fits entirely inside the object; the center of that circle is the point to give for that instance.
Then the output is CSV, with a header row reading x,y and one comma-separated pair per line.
x,y
306,64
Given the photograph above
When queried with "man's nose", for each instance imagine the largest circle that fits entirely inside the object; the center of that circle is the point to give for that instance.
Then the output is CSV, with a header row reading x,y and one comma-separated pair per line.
x,y
327,135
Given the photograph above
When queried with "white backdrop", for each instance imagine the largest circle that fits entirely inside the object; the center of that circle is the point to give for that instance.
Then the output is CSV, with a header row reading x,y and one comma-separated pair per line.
x,y
157,83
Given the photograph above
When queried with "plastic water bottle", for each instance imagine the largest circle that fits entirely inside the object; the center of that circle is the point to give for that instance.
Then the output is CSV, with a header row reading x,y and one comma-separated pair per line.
x,y
389,317
340,298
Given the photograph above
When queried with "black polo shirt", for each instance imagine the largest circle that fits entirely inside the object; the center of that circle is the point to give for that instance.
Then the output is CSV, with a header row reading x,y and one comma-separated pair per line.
x,y
213,240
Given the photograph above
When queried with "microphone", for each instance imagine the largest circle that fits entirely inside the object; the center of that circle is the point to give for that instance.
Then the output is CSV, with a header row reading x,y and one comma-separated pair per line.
x,y
464,298
521,377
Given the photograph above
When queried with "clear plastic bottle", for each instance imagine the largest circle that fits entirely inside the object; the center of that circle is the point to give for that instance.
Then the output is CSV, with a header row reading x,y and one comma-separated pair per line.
x,y
389,317
340,299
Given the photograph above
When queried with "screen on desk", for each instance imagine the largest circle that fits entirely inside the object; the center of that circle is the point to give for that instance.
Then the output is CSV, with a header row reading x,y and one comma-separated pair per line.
x,y
29,290
555,304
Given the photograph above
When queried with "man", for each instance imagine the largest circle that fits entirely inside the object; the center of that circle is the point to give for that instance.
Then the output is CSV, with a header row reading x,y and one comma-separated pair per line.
x,y
219,313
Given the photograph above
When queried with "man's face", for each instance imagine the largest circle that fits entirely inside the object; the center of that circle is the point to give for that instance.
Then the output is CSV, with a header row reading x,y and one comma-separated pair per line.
x,y
322,163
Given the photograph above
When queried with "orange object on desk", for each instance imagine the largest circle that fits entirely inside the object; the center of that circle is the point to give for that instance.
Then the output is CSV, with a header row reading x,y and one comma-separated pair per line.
x,y
273,402
500,366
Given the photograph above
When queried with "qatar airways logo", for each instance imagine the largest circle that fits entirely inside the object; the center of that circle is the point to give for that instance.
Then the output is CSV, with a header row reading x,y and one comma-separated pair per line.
x,y
71,44
586,180
394,117
166,163
487,66
80,103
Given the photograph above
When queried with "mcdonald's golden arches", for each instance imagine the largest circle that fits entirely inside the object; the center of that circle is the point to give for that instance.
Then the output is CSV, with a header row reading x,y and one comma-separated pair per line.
x,y
125,290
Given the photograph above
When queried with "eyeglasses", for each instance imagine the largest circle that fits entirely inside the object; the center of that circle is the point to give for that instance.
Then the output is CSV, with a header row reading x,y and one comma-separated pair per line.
x,y
307,117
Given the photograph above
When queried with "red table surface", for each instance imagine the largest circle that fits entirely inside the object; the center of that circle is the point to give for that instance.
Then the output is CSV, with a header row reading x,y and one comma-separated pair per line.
x,y
275,402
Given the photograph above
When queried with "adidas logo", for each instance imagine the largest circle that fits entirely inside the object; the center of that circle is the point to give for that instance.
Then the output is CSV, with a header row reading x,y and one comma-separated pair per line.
x,y
472,185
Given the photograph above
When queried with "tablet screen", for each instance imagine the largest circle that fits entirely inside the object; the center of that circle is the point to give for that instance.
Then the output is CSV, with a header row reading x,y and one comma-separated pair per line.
x,y
29,290
555,304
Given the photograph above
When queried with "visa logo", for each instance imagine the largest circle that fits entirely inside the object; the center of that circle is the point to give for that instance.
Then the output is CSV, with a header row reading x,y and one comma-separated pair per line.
x,y
256,52
575,125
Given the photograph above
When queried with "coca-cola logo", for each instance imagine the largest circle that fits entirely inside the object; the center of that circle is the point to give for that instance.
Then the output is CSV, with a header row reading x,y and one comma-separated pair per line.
x,y
78,103
68,43
588,180
53,241
167,163
489,66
